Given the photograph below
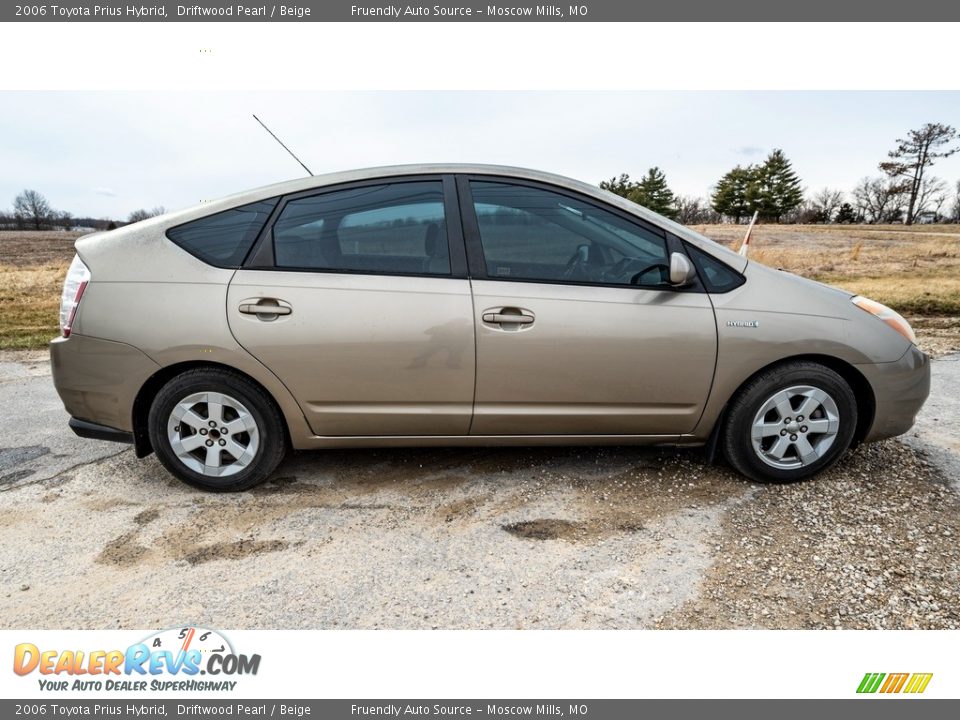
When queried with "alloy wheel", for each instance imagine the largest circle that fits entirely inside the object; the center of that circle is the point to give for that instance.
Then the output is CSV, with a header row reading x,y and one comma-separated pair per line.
x,y
213,434
795,427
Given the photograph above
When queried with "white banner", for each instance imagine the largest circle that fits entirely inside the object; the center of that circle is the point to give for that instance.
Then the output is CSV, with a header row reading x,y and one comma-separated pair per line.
x,y
461,664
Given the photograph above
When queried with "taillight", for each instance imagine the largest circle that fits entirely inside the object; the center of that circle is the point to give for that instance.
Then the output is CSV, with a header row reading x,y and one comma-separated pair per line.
x,y
77,278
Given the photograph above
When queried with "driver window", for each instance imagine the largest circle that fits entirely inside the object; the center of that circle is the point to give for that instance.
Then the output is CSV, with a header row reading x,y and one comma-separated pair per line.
x,y
528,233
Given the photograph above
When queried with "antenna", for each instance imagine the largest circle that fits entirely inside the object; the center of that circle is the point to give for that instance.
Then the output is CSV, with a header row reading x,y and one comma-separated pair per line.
x,y
282,145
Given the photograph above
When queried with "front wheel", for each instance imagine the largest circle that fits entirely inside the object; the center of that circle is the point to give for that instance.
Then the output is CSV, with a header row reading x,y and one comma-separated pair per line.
x,y
216,430
790,422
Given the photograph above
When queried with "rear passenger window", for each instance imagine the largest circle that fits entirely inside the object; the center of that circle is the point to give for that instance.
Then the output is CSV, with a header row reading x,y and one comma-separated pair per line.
x,y
224,239
395,228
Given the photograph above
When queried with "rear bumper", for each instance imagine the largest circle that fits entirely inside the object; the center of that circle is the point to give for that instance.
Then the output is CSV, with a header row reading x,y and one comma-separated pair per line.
x,y
900,388
98,380
94,431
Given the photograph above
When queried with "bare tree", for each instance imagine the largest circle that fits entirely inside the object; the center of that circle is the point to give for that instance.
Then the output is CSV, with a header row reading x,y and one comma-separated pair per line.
x,y
932,196
143,214
956,202
879,199
826,202
913,155
806,214
692,210
62,219
688,209
32,208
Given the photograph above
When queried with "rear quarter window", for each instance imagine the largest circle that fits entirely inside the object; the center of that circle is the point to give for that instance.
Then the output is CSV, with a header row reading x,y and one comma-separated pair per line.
x,y
224,239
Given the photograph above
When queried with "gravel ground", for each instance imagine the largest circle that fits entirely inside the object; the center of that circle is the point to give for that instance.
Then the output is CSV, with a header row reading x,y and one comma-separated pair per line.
x,y
472,538
937,335
870,545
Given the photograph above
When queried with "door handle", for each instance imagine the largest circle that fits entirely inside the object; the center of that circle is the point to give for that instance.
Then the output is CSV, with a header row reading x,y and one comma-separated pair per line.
x,y
508,316
265,308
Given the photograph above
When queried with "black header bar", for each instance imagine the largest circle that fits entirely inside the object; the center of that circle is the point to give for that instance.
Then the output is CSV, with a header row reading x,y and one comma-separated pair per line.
x,y
859,11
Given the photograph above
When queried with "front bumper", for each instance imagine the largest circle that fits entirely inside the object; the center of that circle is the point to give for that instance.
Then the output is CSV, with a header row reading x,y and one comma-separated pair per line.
x,y
900,388
98,380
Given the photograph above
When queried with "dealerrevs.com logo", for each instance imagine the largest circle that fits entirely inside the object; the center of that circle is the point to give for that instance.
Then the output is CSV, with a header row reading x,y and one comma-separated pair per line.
x,y
180,659
892,683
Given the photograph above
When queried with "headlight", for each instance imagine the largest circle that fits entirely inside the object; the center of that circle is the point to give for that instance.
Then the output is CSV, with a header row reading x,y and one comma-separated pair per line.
x,y
890,317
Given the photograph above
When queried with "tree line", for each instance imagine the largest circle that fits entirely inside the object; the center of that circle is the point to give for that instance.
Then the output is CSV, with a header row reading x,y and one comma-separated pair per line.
x,y
905,191
32,211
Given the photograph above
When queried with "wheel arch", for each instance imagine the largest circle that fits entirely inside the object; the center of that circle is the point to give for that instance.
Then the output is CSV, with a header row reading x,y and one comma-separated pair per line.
x,y
862,392
148,391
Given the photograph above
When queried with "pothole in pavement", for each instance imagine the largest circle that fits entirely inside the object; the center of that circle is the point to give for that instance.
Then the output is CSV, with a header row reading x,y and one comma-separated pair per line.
x,y
234,550
546,529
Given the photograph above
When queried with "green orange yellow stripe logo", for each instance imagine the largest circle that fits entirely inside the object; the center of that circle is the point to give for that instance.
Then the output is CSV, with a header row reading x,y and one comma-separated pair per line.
x,y
888,683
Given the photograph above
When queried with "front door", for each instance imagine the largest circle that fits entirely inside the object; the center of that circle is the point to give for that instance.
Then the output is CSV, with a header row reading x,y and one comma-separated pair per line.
x,y
578,331
363,313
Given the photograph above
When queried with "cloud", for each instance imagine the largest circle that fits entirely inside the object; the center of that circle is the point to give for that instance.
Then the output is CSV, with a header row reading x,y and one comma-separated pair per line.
x,y
109,192
749,150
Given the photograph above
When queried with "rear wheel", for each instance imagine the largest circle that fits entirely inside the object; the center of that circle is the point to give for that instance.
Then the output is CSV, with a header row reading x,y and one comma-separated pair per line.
x,y
216,430
790,422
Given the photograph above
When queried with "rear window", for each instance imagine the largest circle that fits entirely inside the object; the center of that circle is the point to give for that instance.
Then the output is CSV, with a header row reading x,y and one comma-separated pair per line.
x,y
224,239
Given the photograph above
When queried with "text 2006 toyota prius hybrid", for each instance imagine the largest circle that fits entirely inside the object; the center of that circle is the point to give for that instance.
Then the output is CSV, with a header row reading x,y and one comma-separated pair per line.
x,y
463,305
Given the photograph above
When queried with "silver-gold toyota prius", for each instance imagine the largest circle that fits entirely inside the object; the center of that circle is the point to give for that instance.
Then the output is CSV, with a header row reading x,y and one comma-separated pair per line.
x,y
463,305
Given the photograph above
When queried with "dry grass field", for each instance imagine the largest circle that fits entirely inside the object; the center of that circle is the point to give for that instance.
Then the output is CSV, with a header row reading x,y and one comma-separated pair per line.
x,y
915,270
32,268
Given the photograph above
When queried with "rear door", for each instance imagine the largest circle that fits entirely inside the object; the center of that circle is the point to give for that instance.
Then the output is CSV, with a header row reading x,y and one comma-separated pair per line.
x,y
578,330
357,299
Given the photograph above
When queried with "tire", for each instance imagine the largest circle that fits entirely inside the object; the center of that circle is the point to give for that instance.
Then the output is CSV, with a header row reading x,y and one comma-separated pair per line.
x,y
216,430
767,436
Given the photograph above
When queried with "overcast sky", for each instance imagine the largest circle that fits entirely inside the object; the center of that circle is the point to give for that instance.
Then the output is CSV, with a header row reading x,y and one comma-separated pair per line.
x,y
106,154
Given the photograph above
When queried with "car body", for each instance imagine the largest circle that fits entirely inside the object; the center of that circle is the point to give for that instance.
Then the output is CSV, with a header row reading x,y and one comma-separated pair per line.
x,y
460,305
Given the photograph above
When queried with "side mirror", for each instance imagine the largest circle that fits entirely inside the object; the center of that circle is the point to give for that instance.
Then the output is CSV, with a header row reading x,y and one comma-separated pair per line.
x,y
682,272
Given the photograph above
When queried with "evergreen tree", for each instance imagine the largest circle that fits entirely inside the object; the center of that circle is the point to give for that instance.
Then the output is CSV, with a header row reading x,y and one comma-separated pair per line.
x,y
621,186
914,154
730,196
846,214
775,189
653,193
